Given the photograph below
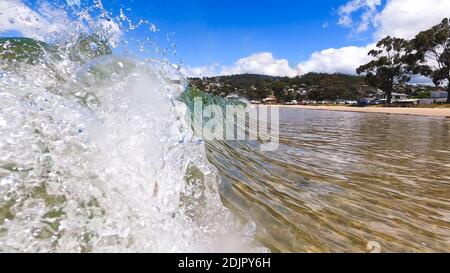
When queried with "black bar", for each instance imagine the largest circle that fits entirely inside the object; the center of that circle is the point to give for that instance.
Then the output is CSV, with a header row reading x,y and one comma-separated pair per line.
x,y
227,262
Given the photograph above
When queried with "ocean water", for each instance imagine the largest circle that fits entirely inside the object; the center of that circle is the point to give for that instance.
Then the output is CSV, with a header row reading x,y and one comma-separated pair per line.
x,y
97,155
344,182
95,151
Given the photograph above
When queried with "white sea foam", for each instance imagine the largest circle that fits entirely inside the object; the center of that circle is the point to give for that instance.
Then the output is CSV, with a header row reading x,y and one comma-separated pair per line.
x,y
97,157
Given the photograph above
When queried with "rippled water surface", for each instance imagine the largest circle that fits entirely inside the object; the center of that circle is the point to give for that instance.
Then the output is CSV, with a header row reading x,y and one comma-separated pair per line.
x,y
341,181
96,155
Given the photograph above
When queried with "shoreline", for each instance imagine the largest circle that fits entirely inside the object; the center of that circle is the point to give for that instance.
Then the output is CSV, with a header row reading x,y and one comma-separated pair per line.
x,y
434,112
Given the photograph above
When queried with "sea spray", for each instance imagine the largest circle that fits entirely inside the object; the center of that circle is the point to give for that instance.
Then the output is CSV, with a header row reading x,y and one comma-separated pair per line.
x,y
96,156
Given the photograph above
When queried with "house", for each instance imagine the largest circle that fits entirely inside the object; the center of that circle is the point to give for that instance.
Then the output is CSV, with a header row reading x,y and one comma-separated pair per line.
x,y
437,96
302,91
401,98
292,102
232,97
270,100
440,96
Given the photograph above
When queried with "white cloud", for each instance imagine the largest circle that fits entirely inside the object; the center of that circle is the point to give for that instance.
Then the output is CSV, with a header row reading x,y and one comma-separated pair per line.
x,y
368,9
333,60
261,63
200,71
405,18
343,60
400,18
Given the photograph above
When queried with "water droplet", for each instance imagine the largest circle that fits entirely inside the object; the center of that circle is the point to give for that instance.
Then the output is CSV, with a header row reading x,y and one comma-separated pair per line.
x,y
73,2
93,46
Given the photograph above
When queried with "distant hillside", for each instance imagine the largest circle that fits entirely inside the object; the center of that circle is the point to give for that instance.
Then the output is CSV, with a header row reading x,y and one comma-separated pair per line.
x,y
312,86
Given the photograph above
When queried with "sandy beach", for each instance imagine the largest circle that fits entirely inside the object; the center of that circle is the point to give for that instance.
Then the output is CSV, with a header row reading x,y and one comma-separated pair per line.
x,y
437,112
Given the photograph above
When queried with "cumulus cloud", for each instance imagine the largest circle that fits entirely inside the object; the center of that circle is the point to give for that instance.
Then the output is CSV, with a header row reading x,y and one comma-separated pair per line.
x,y
261,63
332,60
200,71
400,18
367,10
405,18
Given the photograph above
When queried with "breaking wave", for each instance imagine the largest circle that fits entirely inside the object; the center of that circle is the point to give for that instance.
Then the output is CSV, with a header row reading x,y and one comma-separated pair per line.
x,y
95,151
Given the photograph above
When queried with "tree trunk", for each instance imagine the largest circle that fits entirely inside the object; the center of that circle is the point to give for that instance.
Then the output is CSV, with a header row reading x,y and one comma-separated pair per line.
x,y
389,96
448,91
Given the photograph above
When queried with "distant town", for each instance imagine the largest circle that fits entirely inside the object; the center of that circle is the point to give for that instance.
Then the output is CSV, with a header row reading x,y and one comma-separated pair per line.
x,y
382,81
315,88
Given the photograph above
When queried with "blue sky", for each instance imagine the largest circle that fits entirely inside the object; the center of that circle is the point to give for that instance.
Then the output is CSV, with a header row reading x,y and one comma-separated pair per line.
x,y
209,32
273,37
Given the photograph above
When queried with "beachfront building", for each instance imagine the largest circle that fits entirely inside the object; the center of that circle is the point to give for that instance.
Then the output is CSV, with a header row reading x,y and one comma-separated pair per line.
x,y
401,98
232,97
439,96
270,100
436,97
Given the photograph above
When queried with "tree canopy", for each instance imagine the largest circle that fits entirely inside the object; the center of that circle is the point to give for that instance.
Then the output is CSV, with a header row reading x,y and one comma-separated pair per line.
x,y
390,66
311,86
396,60
433,53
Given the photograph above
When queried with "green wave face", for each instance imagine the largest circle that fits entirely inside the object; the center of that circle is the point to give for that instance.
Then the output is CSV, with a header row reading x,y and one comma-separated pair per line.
x,y
34,52
111,125
99,139
23,50
208,99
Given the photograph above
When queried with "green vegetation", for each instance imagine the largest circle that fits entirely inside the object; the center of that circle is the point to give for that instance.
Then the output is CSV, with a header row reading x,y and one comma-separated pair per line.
x,y
389,67
425,94
312,86
396,60
434,45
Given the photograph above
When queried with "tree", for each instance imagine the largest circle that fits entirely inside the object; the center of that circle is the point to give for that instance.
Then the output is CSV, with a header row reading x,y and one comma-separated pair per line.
x,y
278,90
433,54
390,67
325,86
